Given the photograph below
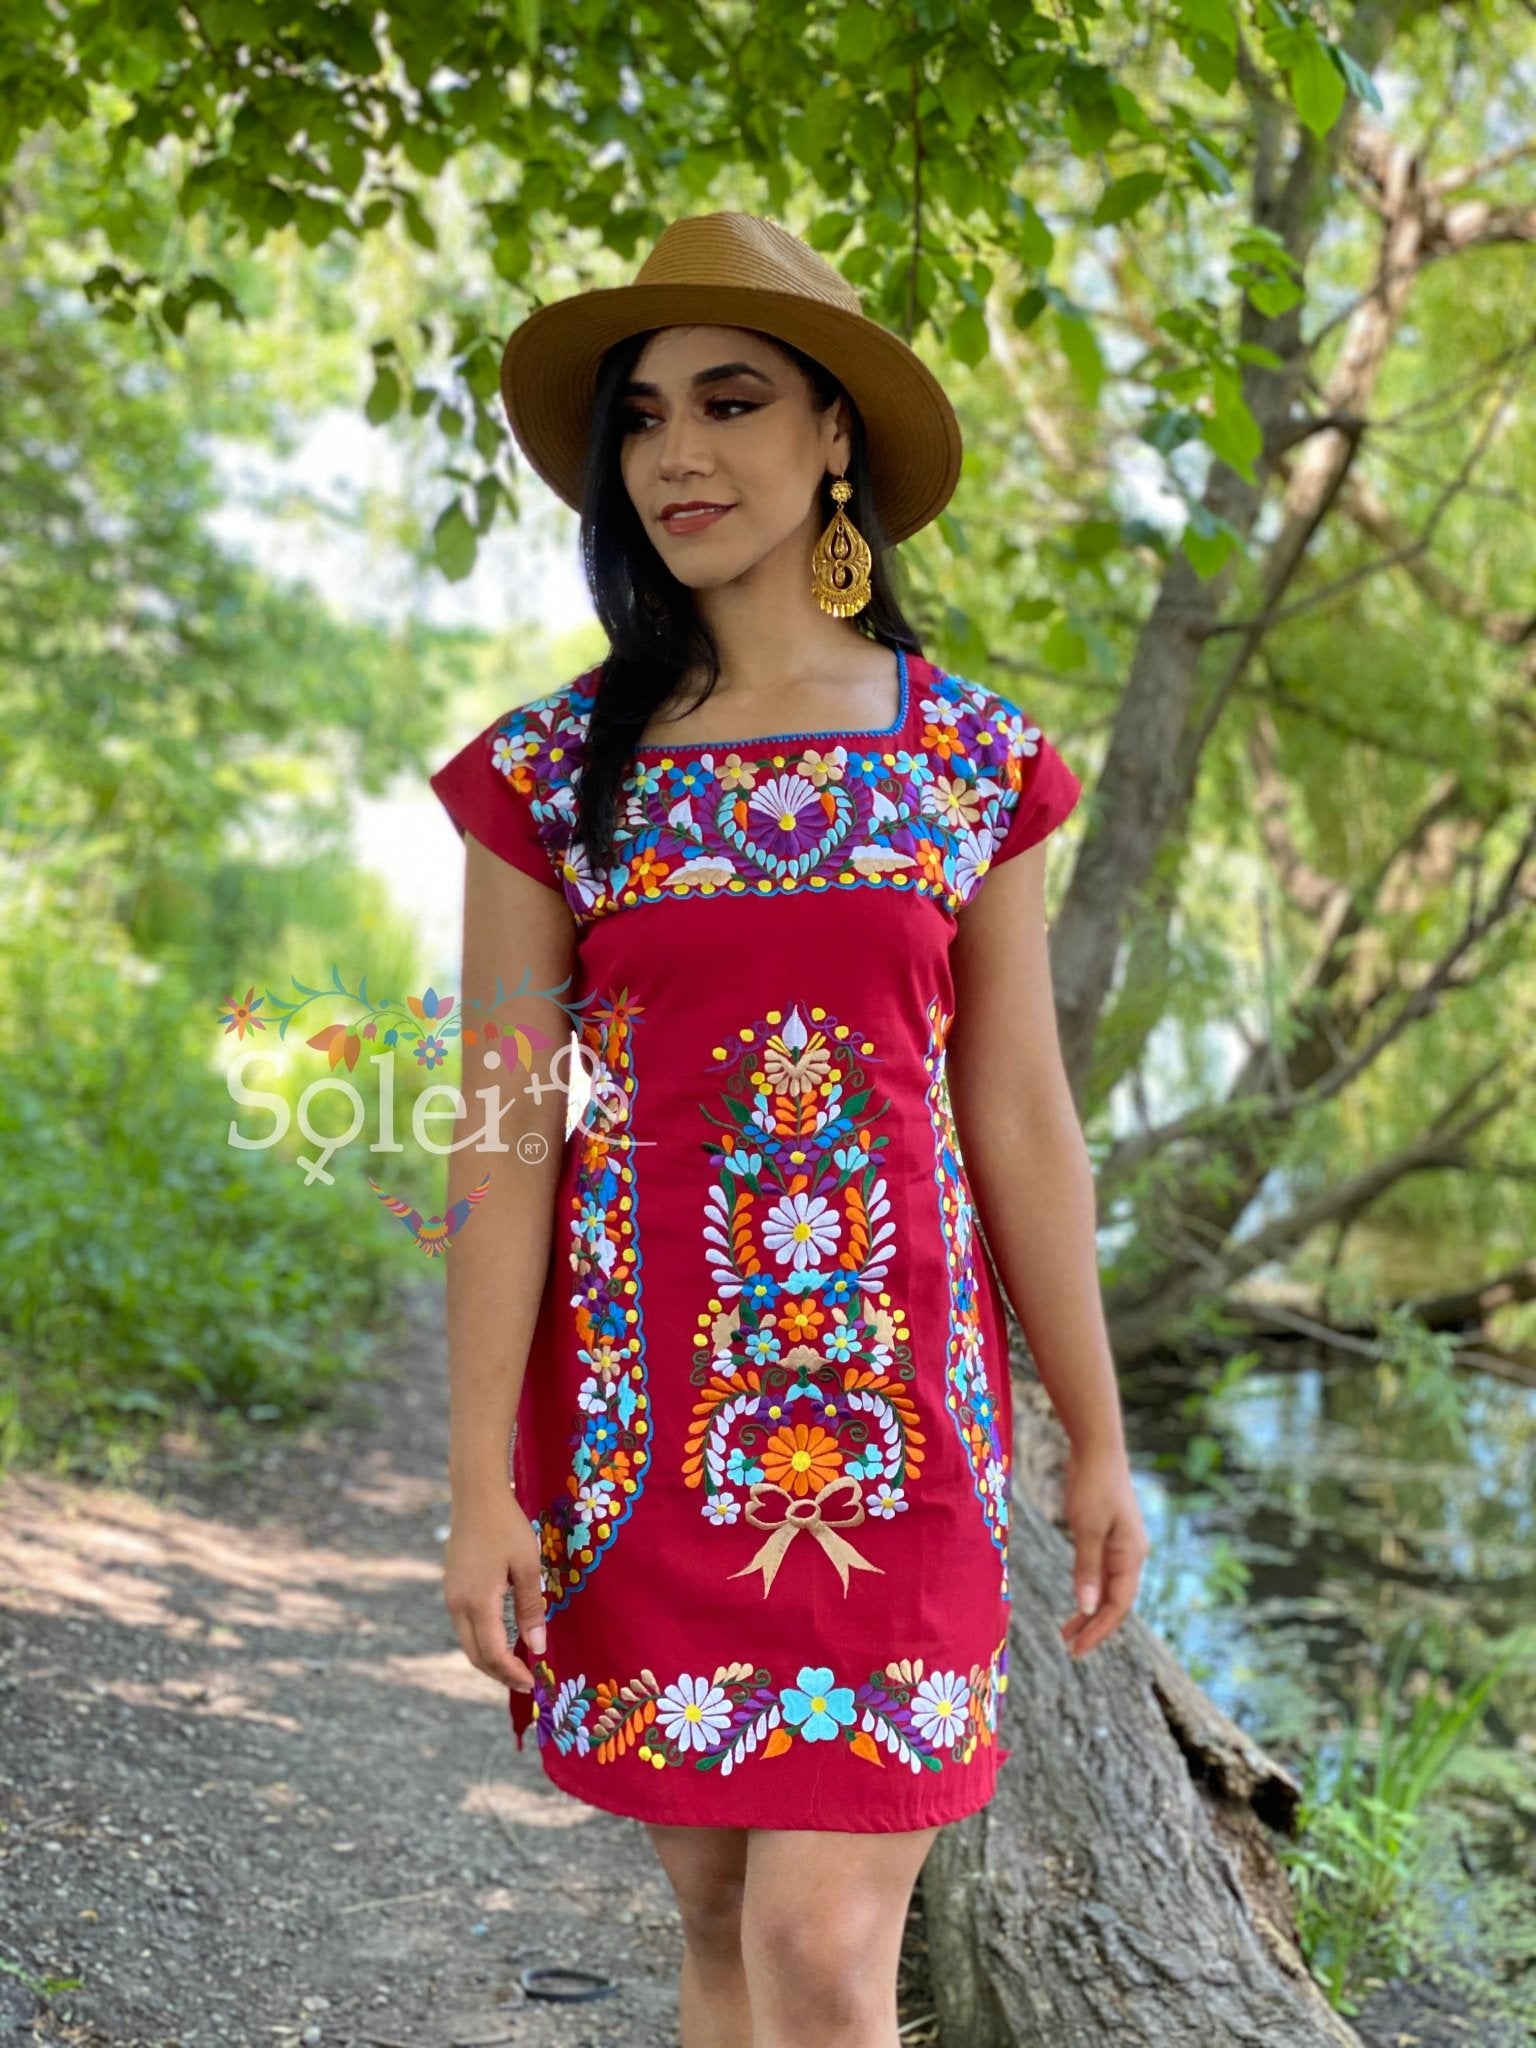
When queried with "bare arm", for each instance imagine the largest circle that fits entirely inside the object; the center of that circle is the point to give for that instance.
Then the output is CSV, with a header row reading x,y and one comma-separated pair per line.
x,y
497,1266
1030,1173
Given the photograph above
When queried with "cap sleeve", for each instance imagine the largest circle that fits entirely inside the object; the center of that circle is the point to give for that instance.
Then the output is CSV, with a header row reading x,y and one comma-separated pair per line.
x,y
498,787
1042,789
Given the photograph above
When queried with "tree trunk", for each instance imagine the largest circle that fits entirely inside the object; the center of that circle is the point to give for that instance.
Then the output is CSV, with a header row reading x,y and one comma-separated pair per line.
x,y
1119,1891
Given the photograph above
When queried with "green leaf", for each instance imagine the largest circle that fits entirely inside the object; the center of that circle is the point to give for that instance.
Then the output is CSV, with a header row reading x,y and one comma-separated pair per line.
x,y
425,151
1214,18
829,231
1317,84
1127,196
1207,541
1359,81
964,89
954,532
1232,431
1210,172
1031,239
417,226
1080,346
453,542
968,339
1028,307
384,399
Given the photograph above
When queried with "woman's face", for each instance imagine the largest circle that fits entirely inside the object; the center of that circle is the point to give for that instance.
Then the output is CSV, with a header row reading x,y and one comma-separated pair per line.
x,y
718,417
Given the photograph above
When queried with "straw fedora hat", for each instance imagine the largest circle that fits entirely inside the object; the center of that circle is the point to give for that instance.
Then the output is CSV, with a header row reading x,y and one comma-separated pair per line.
x,y
737,270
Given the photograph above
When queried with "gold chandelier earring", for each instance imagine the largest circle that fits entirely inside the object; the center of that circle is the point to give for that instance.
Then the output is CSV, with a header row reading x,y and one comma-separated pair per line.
x,y
841,562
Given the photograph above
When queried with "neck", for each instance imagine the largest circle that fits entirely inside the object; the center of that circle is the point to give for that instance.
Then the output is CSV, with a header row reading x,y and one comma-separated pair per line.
x,y
772,635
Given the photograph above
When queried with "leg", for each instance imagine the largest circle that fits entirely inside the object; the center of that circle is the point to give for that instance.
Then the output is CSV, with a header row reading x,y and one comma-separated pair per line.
x,y
822,1922
707,1868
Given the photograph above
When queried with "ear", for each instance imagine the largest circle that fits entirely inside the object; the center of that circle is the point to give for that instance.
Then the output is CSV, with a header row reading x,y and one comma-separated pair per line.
x,y
840,446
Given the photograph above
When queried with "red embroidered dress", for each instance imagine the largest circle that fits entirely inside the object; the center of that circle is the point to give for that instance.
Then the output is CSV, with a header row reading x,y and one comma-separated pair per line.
x,y
766,1422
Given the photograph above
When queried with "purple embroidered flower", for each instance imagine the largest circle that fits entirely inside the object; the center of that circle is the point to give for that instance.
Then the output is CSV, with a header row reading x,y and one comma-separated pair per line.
x,y
787,813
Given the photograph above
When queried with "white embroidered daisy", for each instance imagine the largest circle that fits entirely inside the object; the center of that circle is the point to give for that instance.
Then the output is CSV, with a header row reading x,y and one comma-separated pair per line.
x,y
694,1712
941,1707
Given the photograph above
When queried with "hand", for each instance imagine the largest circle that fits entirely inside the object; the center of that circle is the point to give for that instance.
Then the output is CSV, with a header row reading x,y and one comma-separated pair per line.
x,y
1111,1545
492,1544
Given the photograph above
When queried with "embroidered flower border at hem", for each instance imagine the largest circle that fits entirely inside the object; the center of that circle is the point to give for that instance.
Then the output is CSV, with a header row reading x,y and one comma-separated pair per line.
x,y
923,1720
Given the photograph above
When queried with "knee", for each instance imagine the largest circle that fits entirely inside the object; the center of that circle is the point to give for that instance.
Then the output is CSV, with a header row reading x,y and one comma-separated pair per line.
x,y
711,1918
822,1971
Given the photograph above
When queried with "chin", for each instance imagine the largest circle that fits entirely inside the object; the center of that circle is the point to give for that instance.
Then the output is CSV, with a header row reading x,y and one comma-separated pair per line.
x,y
713,578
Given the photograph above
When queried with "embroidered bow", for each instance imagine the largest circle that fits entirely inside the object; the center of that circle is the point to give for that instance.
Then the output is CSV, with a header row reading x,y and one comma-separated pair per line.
x,y
786,1521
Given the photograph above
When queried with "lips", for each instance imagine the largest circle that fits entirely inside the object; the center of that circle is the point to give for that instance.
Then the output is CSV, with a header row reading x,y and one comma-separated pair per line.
x,y
693,518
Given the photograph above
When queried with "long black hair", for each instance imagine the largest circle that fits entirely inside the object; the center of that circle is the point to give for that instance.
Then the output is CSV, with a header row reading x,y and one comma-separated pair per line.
x,y
656,634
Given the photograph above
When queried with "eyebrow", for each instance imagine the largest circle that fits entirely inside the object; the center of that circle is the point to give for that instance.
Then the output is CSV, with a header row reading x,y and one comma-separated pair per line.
x,y
635,389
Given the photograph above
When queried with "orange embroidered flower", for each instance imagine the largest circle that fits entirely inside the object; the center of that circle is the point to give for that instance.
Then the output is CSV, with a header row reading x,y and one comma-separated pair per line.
x,y
944,741
930,862
802,1459
648,868
801,1319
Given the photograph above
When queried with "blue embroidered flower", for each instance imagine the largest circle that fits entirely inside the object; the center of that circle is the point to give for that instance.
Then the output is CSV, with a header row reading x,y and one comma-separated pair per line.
x,y
601,1436
815,1706
761,1293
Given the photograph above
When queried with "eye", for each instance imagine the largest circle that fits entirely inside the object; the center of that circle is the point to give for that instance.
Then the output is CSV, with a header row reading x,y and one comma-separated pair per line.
x,y
632,421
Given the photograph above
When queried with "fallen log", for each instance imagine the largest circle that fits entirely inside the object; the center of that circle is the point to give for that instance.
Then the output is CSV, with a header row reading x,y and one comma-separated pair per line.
x,y
1121,1889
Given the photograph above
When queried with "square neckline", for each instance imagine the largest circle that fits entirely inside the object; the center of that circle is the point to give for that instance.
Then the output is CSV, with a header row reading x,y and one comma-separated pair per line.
x,y
770,739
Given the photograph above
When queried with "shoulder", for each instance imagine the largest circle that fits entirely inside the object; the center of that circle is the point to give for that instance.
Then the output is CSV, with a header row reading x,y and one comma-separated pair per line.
x,y
982,731
541,739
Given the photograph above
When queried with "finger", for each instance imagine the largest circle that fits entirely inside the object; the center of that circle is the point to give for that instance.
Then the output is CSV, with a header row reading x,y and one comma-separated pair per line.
x,y
1122,1575
528,1604
1075,1623
1104,1623
1084,1611
469,1643
492,1652
1088,1568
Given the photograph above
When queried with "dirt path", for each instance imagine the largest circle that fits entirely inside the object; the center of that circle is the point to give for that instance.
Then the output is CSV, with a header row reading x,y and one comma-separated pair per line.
x,y
252,1794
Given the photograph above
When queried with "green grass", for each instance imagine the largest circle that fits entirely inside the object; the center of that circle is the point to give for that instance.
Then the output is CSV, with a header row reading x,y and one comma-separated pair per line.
x,y
1372,1838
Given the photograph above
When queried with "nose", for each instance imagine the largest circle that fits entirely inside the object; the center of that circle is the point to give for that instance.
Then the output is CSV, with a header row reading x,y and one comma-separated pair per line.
x,y
682,452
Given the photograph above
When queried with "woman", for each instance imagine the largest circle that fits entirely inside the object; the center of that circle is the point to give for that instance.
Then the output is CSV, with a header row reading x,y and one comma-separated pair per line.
x,y
787,876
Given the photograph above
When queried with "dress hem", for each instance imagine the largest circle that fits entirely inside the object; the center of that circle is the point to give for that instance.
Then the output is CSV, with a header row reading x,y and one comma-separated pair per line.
x,y
768,1803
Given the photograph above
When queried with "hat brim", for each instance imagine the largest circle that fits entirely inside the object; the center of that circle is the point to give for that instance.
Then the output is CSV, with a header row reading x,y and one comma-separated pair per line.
x,y
549,375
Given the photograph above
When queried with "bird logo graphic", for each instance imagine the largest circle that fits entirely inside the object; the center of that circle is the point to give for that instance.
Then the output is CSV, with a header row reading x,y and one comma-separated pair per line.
x,y
437,1233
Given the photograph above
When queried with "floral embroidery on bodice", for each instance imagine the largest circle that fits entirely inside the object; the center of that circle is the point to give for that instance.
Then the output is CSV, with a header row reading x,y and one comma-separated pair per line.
x,y
922,809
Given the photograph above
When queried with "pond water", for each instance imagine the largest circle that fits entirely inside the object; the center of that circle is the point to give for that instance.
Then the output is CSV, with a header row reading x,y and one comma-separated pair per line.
x,y
1306,1512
